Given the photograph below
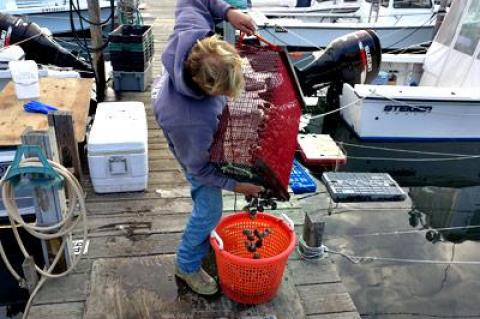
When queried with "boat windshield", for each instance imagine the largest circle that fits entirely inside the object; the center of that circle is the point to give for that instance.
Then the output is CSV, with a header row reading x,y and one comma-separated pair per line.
x,y
469,35
382,2
412,4
449,27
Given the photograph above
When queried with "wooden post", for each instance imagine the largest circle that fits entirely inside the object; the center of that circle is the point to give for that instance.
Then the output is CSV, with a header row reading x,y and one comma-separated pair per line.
x,y
442,11
62,122
50,204
97,43
313,230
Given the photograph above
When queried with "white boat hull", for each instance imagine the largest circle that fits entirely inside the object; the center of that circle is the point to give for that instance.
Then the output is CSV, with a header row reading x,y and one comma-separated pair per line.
x,y
320,35
59,22
390,117
57,18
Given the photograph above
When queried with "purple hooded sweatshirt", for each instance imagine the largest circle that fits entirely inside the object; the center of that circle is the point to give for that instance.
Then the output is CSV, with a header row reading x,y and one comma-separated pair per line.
x,y
188,117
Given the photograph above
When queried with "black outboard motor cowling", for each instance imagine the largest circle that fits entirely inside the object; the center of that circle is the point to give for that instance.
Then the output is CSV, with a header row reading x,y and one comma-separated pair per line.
x,y
37,47
354,58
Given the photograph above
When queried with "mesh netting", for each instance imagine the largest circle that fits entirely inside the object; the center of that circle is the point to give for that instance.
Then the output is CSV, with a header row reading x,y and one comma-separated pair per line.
x,y
256,139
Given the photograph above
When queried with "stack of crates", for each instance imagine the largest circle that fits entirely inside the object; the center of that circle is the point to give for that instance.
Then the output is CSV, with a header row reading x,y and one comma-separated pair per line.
x,y
131,51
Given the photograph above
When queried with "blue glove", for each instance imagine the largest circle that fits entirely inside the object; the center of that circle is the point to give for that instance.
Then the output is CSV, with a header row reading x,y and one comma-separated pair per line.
x,y
38,107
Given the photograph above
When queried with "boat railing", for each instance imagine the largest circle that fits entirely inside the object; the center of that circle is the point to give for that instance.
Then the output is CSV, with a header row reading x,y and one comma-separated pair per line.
x,y
39,3
319,17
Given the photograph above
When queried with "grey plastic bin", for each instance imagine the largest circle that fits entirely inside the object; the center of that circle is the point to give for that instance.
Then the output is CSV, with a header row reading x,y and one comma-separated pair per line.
x,y
132,81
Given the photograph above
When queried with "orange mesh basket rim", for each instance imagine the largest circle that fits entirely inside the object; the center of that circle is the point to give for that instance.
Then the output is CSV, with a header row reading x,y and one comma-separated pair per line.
x,y
283,255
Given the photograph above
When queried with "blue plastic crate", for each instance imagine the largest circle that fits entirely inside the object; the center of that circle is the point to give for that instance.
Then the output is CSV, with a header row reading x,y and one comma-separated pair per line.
x,y
300,180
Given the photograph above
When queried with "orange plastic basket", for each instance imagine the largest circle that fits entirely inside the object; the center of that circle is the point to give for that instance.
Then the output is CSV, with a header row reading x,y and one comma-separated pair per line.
x,y
242,278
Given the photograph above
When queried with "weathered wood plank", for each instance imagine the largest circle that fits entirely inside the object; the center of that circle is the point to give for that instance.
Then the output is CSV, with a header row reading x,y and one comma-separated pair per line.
x,y
342,315
162,165
127,225
109,206
319,299
155,133
134,246
144,287
166,192
157,139
328,288
71,310
72,95
163,154
83,266
71,288
159,146
62,122
308,273
161,178
140,206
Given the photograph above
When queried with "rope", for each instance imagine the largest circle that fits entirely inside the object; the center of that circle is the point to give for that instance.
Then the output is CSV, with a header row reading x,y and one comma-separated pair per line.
x,y
309,253
359,259
314,117
407,159
405,232
76,198
402,150
23,41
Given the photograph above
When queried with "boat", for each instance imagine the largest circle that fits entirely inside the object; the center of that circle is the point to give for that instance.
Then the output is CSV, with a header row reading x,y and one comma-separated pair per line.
x,y
55,15
398,23
446,103
410,141
36,44
298,6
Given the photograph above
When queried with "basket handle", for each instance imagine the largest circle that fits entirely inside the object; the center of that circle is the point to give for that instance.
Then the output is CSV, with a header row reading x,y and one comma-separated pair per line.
x,y
289,221
271,45
217,237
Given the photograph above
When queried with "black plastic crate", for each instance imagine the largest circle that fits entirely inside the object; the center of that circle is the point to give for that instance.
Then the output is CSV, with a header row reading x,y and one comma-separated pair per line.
x,y
131,48
126,33
130,61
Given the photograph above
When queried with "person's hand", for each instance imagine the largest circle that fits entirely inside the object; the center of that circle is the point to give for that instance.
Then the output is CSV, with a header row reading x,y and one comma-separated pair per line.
x,y
241,21
248,189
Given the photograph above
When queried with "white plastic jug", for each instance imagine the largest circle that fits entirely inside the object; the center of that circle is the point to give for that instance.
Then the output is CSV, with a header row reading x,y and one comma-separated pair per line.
x,y
25,77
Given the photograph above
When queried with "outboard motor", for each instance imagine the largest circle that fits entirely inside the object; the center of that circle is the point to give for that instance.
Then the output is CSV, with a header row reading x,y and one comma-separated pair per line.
x,y
354,58
37,46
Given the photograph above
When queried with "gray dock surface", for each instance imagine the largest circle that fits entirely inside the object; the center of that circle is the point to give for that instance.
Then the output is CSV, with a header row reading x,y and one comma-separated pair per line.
x,y
128,272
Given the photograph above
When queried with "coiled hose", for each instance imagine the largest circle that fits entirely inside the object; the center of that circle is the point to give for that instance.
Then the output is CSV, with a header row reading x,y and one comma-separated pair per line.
x,y
75,200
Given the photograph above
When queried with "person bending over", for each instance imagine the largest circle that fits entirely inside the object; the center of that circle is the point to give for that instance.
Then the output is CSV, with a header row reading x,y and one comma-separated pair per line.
x,y
201,70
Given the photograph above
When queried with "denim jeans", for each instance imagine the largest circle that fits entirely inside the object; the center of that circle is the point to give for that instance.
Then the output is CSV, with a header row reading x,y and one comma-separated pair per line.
x,y
206,213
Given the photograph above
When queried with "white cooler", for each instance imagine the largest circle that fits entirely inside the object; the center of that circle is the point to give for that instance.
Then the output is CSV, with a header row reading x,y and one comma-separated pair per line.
x,y
118,148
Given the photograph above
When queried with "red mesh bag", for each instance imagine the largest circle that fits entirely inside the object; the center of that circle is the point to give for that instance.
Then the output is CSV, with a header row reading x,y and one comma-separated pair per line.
x,y
256,138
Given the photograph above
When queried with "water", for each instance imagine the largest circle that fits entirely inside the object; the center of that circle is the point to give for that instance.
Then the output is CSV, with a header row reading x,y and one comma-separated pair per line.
x,y
443,195
414,290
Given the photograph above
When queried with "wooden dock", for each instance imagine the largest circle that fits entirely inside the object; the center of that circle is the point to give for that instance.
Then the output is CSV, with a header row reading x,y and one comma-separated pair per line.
x,y
128,271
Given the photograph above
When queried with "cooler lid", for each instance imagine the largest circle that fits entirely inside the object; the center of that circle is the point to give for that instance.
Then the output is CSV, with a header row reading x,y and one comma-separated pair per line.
x,y
118,127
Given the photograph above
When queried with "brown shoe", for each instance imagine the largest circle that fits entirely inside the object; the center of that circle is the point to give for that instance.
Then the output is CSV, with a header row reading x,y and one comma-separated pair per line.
x,y
199,281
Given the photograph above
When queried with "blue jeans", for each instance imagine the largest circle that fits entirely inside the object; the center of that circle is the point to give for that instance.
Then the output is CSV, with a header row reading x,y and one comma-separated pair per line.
x,y
206,213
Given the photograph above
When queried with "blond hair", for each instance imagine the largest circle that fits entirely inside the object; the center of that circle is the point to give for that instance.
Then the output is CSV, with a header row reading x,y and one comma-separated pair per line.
x,y
216,67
